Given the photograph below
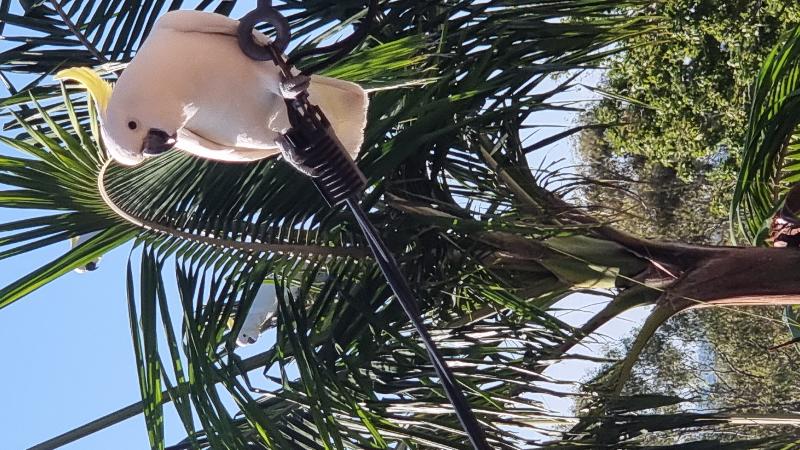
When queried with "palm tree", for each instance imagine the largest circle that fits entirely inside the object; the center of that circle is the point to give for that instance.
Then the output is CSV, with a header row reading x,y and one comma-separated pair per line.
x,y
486,245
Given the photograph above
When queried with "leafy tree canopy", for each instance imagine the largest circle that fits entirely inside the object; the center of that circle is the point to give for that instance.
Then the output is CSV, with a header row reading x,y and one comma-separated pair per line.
x,y
689,90
683,95
680,98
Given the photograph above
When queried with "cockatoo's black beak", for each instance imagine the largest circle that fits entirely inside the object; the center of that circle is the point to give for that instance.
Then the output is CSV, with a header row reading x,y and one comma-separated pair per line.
x,y
157,142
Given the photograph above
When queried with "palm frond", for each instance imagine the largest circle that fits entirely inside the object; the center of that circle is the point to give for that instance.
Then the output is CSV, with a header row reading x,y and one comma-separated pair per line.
x,y
57,174
363,382
629,421
772,150
84,33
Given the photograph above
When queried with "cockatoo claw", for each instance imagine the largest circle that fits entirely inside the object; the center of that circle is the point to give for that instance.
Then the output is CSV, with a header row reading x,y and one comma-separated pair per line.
x,y
297,158
293,86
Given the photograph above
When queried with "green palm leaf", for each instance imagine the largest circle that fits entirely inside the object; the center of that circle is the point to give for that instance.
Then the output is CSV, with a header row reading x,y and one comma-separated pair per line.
x,y
771,151
365,372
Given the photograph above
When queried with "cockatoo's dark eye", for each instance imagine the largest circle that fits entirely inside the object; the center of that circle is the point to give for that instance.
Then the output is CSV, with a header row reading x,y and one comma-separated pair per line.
x,y
133,125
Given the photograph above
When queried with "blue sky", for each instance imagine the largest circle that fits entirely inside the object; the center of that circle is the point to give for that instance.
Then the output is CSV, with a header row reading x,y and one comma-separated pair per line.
x,y
68,356
67,351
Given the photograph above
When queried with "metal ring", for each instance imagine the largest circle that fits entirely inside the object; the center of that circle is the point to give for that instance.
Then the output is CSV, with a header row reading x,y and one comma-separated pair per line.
x,y
264,12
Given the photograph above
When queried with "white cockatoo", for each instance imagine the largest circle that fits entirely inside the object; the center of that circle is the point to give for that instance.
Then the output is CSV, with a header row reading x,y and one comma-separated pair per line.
x,y
190,87
78,240
262,309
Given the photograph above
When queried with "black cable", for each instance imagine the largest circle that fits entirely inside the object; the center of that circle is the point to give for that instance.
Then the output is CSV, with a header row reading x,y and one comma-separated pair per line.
x,y
407,301
314,150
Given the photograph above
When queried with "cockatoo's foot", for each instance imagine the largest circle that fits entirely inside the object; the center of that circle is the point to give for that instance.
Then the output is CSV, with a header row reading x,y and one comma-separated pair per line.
x,y
294,86
296,157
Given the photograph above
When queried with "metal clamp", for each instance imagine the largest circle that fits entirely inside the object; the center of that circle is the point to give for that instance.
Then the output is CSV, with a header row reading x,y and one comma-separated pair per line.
x,y
264,12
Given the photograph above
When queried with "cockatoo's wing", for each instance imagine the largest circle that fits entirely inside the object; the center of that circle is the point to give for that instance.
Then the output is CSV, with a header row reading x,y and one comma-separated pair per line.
x,y
198,145
344,103
189,21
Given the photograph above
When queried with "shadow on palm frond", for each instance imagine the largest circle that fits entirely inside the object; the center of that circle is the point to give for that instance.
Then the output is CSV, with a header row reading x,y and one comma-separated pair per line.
x,y
638,421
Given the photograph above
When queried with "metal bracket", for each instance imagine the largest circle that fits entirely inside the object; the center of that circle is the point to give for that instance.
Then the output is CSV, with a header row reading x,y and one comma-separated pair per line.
x,y
264,12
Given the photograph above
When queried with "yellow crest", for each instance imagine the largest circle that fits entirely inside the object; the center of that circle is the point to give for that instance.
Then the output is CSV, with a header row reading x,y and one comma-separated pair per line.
x,y
99,89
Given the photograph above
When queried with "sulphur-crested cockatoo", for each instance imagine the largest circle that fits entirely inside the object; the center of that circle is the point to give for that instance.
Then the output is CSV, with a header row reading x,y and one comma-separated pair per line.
x,y
78,240
190,87
262,309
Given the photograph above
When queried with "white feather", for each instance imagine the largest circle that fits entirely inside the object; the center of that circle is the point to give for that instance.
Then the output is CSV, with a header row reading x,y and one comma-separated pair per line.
x,y
76,241
263,308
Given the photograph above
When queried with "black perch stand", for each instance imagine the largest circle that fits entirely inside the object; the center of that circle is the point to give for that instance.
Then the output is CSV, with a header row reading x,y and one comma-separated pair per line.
x,y
314,150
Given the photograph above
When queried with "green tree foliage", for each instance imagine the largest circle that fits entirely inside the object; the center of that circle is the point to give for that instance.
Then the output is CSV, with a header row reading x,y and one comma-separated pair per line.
x,y
682,95
648,198
718,359
685,98
689,82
